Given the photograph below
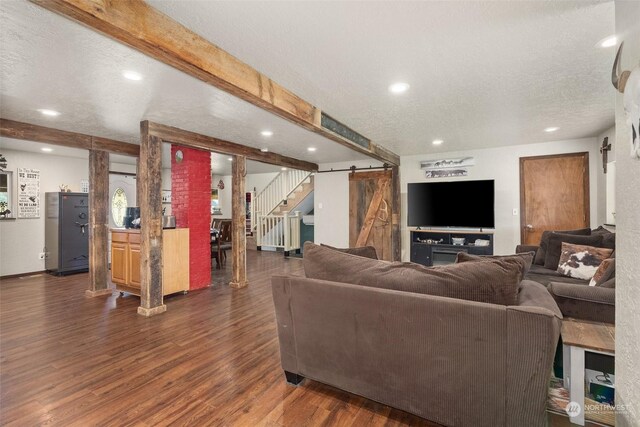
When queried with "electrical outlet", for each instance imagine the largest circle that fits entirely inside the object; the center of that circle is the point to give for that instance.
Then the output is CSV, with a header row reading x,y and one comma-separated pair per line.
x,y
41,255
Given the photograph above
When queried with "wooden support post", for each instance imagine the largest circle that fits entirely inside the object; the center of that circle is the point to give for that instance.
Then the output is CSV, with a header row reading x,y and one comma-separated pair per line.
x,y
150,197
98,228
238,223
396,237
138,180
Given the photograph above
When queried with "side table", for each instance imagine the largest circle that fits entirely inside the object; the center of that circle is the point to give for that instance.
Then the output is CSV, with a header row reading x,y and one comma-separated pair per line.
x,y
579,337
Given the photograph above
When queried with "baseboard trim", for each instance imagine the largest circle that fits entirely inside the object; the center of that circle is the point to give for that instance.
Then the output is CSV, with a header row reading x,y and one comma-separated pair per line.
x,y
19,275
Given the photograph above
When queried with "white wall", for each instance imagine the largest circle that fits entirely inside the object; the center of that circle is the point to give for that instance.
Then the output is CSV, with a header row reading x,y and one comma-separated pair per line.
x,y
166,185
628,234
21,240
331,203
603,179
503,165
253,180
500,164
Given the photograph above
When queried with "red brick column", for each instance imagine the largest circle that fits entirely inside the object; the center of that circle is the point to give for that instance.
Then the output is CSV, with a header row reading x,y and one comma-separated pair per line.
x,y
191,205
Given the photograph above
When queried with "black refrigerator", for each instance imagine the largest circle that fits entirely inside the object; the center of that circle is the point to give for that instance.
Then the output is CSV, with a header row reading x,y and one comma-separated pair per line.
x,y
67,233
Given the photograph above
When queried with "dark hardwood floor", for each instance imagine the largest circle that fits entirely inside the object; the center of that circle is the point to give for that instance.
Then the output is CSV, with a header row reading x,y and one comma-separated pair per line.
x,y
211,359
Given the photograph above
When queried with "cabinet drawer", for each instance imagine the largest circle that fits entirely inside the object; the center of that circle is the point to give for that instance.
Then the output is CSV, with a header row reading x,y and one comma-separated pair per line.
x,y
134,238
119,237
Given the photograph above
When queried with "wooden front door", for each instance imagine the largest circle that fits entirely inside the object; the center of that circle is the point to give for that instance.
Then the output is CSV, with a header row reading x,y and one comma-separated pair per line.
x,y
554,194
370,211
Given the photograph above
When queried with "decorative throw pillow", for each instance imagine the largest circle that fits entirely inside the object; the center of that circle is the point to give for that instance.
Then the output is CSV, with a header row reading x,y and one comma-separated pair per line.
x,y
526,256
581,262
605,271
365,251
554,246
600,230
495,281
544,239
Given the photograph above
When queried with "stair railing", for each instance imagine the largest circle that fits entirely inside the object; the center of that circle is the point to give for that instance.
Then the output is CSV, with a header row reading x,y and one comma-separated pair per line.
x,y
280,187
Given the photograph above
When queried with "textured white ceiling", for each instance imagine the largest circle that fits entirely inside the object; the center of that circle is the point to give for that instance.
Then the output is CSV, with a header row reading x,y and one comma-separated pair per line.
x,y
48,61
482,73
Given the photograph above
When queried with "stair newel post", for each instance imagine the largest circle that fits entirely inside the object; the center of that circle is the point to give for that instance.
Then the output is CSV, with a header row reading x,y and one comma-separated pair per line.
x,y
296,238
259,230
287,233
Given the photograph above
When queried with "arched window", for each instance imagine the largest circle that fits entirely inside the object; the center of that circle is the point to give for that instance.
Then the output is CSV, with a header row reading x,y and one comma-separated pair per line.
x,y
118,206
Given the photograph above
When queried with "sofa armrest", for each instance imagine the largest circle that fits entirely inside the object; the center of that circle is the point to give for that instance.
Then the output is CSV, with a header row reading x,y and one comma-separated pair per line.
x,y
585,302
527,248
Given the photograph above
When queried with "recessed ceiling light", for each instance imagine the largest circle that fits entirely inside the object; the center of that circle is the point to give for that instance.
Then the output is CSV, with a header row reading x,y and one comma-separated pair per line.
x,y
399,87
264,150
51,113
437,141
132,75
266,133
283,169
312,149
608,41
230,159
47,149
551,129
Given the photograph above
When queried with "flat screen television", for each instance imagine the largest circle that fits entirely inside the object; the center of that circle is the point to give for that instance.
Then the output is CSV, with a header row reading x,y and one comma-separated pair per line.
x,y
451,204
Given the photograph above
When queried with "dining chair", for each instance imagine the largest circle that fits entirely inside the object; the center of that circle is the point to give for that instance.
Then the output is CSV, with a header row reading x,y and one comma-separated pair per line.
x,y
224,240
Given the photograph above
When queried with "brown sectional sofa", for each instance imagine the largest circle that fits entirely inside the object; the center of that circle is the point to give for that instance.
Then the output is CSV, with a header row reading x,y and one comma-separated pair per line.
x,y
575,297
452,361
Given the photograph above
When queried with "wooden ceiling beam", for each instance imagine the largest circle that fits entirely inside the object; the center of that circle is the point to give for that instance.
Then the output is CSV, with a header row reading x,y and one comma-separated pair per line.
x,y
29,132
191,139
146,29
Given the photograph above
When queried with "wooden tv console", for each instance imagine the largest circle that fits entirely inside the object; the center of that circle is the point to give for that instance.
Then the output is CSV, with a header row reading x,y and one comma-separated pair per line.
x,y
435,247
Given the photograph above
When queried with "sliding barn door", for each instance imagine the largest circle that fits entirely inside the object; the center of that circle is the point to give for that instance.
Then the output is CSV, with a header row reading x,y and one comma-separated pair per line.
x,y
554,194
370,212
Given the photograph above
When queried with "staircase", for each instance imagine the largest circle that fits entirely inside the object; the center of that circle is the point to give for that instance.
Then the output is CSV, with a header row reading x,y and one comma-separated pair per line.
x,y
296,197
278,210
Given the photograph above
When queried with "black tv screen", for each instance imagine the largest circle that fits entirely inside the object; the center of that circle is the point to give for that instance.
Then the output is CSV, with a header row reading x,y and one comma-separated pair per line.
x,y
451,204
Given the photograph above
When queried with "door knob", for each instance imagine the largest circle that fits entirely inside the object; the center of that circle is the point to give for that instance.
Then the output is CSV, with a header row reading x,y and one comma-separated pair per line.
x,y
529,227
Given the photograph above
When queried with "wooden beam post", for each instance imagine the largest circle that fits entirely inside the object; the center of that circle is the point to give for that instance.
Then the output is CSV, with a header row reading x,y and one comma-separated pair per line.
x,y
138,25
29,132
238,223
396,203
98,228
187,138
150,187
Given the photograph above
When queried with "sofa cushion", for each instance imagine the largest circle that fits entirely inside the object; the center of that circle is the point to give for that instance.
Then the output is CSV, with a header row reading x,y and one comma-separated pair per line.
x,y
593,303
494,281
608,240
544,240
611,283
581,261
526,256
365,251
600,230
536,295
554,246
606,270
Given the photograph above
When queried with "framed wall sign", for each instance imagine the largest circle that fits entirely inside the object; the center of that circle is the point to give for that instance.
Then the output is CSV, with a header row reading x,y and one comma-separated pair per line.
x,y
28,193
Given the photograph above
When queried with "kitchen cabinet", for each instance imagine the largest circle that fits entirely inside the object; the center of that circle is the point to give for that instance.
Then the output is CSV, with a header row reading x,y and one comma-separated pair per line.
x,y
125,260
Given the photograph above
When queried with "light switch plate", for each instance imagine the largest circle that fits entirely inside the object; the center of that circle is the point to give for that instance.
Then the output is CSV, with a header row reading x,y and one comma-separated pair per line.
x,y
515,212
